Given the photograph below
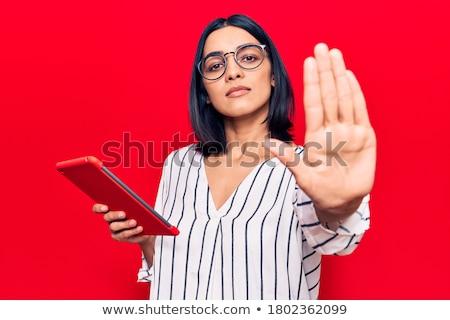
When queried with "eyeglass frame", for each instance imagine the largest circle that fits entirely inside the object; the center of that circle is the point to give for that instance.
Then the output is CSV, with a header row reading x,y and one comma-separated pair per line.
x,y
263,48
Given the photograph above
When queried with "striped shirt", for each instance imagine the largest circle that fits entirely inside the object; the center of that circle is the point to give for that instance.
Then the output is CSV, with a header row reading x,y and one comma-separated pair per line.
x,y
265,242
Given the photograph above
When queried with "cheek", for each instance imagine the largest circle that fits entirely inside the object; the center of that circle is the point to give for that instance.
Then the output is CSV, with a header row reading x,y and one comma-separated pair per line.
x,y
211,97
211,93
267,80
265,88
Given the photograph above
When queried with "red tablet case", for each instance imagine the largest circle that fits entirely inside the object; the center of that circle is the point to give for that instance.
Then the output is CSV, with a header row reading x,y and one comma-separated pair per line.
x,y
102,186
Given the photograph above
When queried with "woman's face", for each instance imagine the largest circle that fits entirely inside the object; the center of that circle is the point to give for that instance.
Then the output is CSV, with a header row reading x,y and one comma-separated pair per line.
x,y
239,93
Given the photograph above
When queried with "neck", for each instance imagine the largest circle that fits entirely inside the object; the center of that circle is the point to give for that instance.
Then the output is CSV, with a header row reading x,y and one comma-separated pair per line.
x,y
250,128
245,138
242,132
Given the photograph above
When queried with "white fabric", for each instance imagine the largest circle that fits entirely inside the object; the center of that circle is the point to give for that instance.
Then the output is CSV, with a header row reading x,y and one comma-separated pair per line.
x,y
265,242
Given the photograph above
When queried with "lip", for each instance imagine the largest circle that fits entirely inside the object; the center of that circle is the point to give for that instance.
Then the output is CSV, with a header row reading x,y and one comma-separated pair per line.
x,y
237,91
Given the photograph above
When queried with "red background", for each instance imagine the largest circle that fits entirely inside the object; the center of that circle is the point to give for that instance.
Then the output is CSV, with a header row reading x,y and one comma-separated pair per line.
x,y
75,75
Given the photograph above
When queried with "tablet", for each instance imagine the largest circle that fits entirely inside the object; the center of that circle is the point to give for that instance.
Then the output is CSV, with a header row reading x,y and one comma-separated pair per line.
x,y
102,186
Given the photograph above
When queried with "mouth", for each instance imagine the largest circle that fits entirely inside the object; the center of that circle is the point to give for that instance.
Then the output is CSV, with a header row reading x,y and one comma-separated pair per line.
x,y
237,91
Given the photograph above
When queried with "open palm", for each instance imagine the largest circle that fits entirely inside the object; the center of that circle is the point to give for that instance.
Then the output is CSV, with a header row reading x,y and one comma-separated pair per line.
x,y
338,165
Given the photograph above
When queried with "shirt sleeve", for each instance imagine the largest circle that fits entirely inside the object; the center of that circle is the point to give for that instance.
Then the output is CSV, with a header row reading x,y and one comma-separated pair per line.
x,y
145,273
338,238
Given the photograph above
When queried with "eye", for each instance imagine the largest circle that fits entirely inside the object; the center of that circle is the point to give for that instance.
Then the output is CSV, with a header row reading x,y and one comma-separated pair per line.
x,y
250,56
215,67
248,59
213,64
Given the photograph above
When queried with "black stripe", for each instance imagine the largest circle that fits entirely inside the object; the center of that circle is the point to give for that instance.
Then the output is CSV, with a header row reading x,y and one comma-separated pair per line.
x,y
326,241
344,228
314,286
300,281
232,229
349,242
313,270
212,261
303,203
309,255
262,225
173,205
156,272
276,238
203,239
310,224
293,231
190,161
190,231
201,258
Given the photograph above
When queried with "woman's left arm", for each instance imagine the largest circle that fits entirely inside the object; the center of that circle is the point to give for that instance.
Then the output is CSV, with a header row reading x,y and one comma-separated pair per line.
x,y
337,168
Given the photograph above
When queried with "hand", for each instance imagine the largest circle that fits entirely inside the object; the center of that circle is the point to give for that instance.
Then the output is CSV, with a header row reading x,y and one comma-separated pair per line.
x,y
121,228
338,167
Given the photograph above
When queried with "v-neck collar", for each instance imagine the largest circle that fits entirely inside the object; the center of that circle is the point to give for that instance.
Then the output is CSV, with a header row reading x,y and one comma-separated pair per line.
x,y
222,210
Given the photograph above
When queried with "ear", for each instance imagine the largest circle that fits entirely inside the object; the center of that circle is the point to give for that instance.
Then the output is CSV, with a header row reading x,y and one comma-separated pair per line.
x,y
272,82
208,100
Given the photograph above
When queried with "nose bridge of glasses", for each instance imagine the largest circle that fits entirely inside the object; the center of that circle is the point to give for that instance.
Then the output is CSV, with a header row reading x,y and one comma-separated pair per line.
x,y
227,53
233,68
233,53
227,64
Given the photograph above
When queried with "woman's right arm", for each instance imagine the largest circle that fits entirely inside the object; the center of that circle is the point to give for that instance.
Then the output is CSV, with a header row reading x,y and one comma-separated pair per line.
x,y
126,230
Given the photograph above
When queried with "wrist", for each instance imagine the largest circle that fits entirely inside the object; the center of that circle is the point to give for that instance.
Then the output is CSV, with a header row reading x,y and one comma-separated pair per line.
x,y
147,242
337,213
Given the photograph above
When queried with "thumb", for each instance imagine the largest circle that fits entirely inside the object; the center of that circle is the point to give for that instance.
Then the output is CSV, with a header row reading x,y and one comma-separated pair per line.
x,y
283,151
287,154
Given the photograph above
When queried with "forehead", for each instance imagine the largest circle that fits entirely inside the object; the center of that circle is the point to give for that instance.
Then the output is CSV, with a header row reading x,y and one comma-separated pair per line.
x,y
227,39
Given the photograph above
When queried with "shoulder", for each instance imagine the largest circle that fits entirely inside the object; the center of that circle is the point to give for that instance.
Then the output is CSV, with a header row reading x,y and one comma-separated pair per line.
x,y
183,155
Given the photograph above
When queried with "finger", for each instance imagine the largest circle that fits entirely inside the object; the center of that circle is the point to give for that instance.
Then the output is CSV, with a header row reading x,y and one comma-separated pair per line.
x,y
114,216
327,83
128,235
118,226
312,99
360,109
345,98
100,208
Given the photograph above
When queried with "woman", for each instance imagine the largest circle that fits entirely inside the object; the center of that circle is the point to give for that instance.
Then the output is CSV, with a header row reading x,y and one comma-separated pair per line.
x,y
256,212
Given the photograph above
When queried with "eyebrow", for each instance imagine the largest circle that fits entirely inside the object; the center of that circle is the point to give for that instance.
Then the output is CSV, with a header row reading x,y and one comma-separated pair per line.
x,y
215,53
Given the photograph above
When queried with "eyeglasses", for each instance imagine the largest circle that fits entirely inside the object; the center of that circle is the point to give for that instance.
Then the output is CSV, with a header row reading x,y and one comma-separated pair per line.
x,y
247,56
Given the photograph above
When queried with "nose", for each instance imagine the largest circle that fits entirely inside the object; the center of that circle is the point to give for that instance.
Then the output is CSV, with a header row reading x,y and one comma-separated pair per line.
x,y
233,70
